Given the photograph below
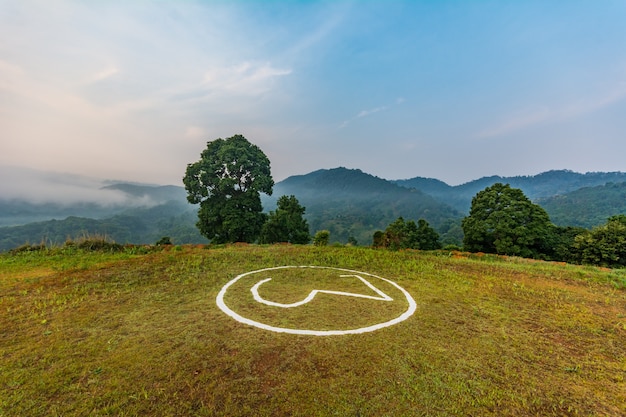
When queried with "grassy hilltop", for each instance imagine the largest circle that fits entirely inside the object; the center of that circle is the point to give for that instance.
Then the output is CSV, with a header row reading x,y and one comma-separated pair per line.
x,y
138,333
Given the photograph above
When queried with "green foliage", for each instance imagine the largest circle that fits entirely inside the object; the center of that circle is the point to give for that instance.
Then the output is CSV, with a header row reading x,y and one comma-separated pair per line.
x,y
227,182
286,224
403,234
142,225
604,245
165,240
321,238
503,220
351,203
588,206
100,244
542,186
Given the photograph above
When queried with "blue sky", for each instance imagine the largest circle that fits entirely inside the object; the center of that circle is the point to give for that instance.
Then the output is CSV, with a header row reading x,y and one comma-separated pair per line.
x,y
453,90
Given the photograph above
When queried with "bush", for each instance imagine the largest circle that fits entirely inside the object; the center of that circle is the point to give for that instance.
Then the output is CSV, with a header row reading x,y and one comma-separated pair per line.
x,y
165,240
321,238
95,243
28,248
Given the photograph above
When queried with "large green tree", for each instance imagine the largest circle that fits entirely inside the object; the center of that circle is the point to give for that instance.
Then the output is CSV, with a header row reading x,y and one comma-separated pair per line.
x,y
286,224
227,182
403,234
503,220
604,245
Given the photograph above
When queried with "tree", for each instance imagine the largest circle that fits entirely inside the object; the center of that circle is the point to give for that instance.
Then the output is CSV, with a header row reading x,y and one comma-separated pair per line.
x,y
403,234
503,220
227,182
321,238
604,245
426,238
286,224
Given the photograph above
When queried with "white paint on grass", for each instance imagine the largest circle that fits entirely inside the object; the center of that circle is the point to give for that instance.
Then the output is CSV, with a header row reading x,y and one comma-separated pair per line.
x,y
382,297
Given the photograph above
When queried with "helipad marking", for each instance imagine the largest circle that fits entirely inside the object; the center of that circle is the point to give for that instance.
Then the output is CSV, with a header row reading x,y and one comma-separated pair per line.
x,y
312,294
383,297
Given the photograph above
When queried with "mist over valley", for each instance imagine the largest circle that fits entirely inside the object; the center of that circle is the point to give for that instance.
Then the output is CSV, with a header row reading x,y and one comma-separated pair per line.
x,y
39,206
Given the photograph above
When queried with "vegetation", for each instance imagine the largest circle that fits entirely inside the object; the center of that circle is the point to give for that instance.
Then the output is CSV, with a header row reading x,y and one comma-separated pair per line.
x,y
604,245
227,182
586,207
407,235
286,224
321,238
352,204
138,333
134,226
538,188
503,220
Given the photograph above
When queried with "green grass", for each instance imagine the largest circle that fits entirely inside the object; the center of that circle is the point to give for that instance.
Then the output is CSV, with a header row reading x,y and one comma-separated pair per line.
x,y
134,333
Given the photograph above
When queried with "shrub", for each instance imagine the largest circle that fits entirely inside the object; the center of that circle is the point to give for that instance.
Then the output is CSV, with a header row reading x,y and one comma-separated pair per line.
x,y
321,238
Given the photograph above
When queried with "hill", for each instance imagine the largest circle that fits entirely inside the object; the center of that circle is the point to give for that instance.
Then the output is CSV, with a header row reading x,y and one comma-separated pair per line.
x,y
347,202
535,187
587,206
144,214
351,203
140,333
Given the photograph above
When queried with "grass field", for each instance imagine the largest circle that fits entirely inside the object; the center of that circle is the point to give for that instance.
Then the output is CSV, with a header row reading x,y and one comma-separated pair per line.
x,y
137,334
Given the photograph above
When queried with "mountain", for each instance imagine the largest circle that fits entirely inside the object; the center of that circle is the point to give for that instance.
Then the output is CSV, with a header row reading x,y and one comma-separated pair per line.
x,y
587,206
347,202
123,212
536,187
351,203
29,195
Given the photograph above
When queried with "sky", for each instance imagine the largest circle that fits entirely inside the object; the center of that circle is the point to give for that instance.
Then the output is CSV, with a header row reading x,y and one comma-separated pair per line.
x,y
453,90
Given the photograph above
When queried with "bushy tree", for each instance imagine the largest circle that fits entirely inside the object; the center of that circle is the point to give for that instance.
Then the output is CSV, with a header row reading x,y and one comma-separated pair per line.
x,y
227,182
503,220
403,234
604,245
321,238
286,224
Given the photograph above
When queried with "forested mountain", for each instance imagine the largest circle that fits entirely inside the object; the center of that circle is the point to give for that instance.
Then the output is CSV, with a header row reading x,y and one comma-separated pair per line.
x,y
106,201
146,214
588,206
351,203
535,187
347,202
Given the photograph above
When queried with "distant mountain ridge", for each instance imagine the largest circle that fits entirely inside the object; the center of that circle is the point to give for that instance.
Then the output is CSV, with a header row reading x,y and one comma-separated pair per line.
x,y
535,187
348,202
352,204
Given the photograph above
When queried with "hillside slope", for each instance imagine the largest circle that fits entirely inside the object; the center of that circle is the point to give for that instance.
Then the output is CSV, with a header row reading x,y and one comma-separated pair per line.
x,y
351,203
141,334
535,187
588,206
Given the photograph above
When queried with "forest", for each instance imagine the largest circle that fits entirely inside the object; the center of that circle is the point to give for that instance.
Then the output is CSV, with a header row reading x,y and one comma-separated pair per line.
x,y
350,204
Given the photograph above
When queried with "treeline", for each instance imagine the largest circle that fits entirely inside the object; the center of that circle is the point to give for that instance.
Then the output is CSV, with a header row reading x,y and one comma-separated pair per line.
x,y
136,226
504,221
586,207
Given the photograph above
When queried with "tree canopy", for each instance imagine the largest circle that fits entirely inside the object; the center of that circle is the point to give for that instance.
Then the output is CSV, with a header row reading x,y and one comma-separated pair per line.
x,y
503,220
403,234
286,224
227,182
604,245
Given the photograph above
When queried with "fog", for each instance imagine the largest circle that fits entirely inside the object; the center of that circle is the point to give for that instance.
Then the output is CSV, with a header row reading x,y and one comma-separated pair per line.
x,y
45,187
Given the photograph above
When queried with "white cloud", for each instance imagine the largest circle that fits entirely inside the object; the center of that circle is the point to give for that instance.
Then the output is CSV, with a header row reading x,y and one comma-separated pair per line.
x,y
362,113
556,113
246,78
108,72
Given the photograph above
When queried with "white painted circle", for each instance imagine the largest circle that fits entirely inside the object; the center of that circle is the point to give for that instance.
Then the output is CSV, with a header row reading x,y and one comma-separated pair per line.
x,y
406,314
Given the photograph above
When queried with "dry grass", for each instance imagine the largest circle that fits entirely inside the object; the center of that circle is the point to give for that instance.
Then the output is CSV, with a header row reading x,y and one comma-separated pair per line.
x,y
87,333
